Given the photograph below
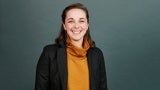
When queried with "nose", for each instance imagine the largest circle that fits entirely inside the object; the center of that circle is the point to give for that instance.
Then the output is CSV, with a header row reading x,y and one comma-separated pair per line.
x,y
76,25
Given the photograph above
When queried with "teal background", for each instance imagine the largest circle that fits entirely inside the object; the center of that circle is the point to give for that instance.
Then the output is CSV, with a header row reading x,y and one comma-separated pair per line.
x,y
127,31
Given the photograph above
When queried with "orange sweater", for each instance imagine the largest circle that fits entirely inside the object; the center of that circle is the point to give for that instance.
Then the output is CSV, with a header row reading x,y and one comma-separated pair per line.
x,y
78,74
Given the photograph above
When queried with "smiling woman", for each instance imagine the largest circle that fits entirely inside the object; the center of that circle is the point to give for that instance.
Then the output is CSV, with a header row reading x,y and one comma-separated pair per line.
x,y
73,62
76,25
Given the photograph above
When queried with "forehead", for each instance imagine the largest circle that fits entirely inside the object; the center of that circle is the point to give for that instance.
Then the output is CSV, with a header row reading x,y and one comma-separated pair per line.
x,y
76,13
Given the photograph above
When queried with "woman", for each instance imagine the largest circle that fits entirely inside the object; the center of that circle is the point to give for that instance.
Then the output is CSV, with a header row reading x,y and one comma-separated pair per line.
x,y
73,62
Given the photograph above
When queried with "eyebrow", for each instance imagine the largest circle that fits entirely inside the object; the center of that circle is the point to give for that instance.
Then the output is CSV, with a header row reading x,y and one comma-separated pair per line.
x,y
69,19
82,18
73,19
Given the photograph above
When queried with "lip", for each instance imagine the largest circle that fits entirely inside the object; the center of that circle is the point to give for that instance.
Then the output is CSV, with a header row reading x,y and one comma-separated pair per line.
x,y
76,32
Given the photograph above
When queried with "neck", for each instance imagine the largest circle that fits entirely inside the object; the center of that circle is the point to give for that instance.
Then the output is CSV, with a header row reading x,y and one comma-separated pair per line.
x,y
78,43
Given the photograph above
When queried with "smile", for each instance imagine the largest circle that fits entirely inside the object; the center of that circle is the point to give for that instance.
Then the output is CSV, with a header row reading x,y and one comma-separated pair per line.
x,y
76,32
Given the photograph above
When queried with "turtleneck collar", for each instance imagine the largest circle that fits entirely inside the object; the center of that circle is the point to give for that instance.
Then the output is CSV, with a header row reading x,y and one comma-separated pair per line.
x,y
75,50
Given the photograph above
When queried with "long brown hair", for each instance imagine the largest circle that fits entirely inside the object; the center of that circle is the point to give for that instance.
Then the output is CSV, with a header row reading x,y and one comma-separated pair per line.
x,y
63,34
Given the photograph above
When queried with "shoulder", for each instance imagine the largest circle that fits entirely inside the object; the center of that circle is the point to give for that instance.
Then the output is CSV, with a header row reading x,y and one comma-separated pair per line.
x,y
50,48
96,50
53,47
49,51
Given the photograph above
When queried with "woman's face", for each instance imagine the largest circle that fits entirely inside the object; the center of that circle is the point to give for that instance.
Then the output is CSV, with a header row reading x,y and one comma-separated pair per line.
x,y
76,24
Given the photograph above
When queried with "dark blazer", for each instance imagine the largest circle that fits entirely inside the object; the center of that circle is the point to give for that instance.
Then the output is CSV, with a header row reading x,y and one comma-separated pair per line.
x,y
51,72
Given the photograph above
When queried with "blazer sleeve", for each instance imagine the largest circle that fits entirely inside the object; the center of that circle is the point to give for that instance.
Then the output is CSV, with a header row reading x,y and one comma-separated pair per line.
x,y
42,71
103,77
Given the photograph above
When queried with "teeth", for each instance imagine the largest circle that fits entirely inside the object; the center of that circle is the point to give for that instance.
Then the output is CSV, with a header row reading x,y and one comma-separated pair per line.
x,y
76,32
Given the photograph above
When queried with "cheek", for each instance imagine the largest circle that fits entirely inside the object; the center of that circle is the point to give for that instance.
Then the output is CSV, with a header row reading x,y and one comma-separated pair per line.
x,y
69,26
85,26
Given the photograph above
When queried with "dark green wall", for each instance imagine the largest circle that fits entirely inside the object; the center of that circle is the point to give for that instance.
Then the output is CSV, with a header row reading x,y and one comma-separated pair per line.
x,y
127,31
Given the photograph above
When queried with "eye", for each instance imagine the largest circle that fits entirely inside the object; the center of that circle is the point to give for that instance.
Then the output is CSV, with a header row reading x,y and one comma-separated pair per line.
x,y
81,21
70,21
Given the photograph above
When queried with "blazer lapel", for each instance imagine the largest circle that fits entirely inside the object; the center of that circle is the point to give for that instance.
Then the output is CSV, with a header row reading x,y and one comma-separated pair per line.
x,y
91,65
62,66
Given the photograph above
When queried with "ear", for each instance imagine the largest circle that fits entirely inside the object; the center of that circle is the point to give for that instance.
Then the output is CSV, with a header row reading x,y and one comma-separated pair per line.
x,y
87,26
64,26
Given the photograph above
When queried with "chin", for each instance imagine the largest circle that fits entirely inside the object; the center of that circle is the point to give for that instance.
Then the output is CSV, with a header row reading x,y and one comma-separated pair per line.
x,y
76,39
